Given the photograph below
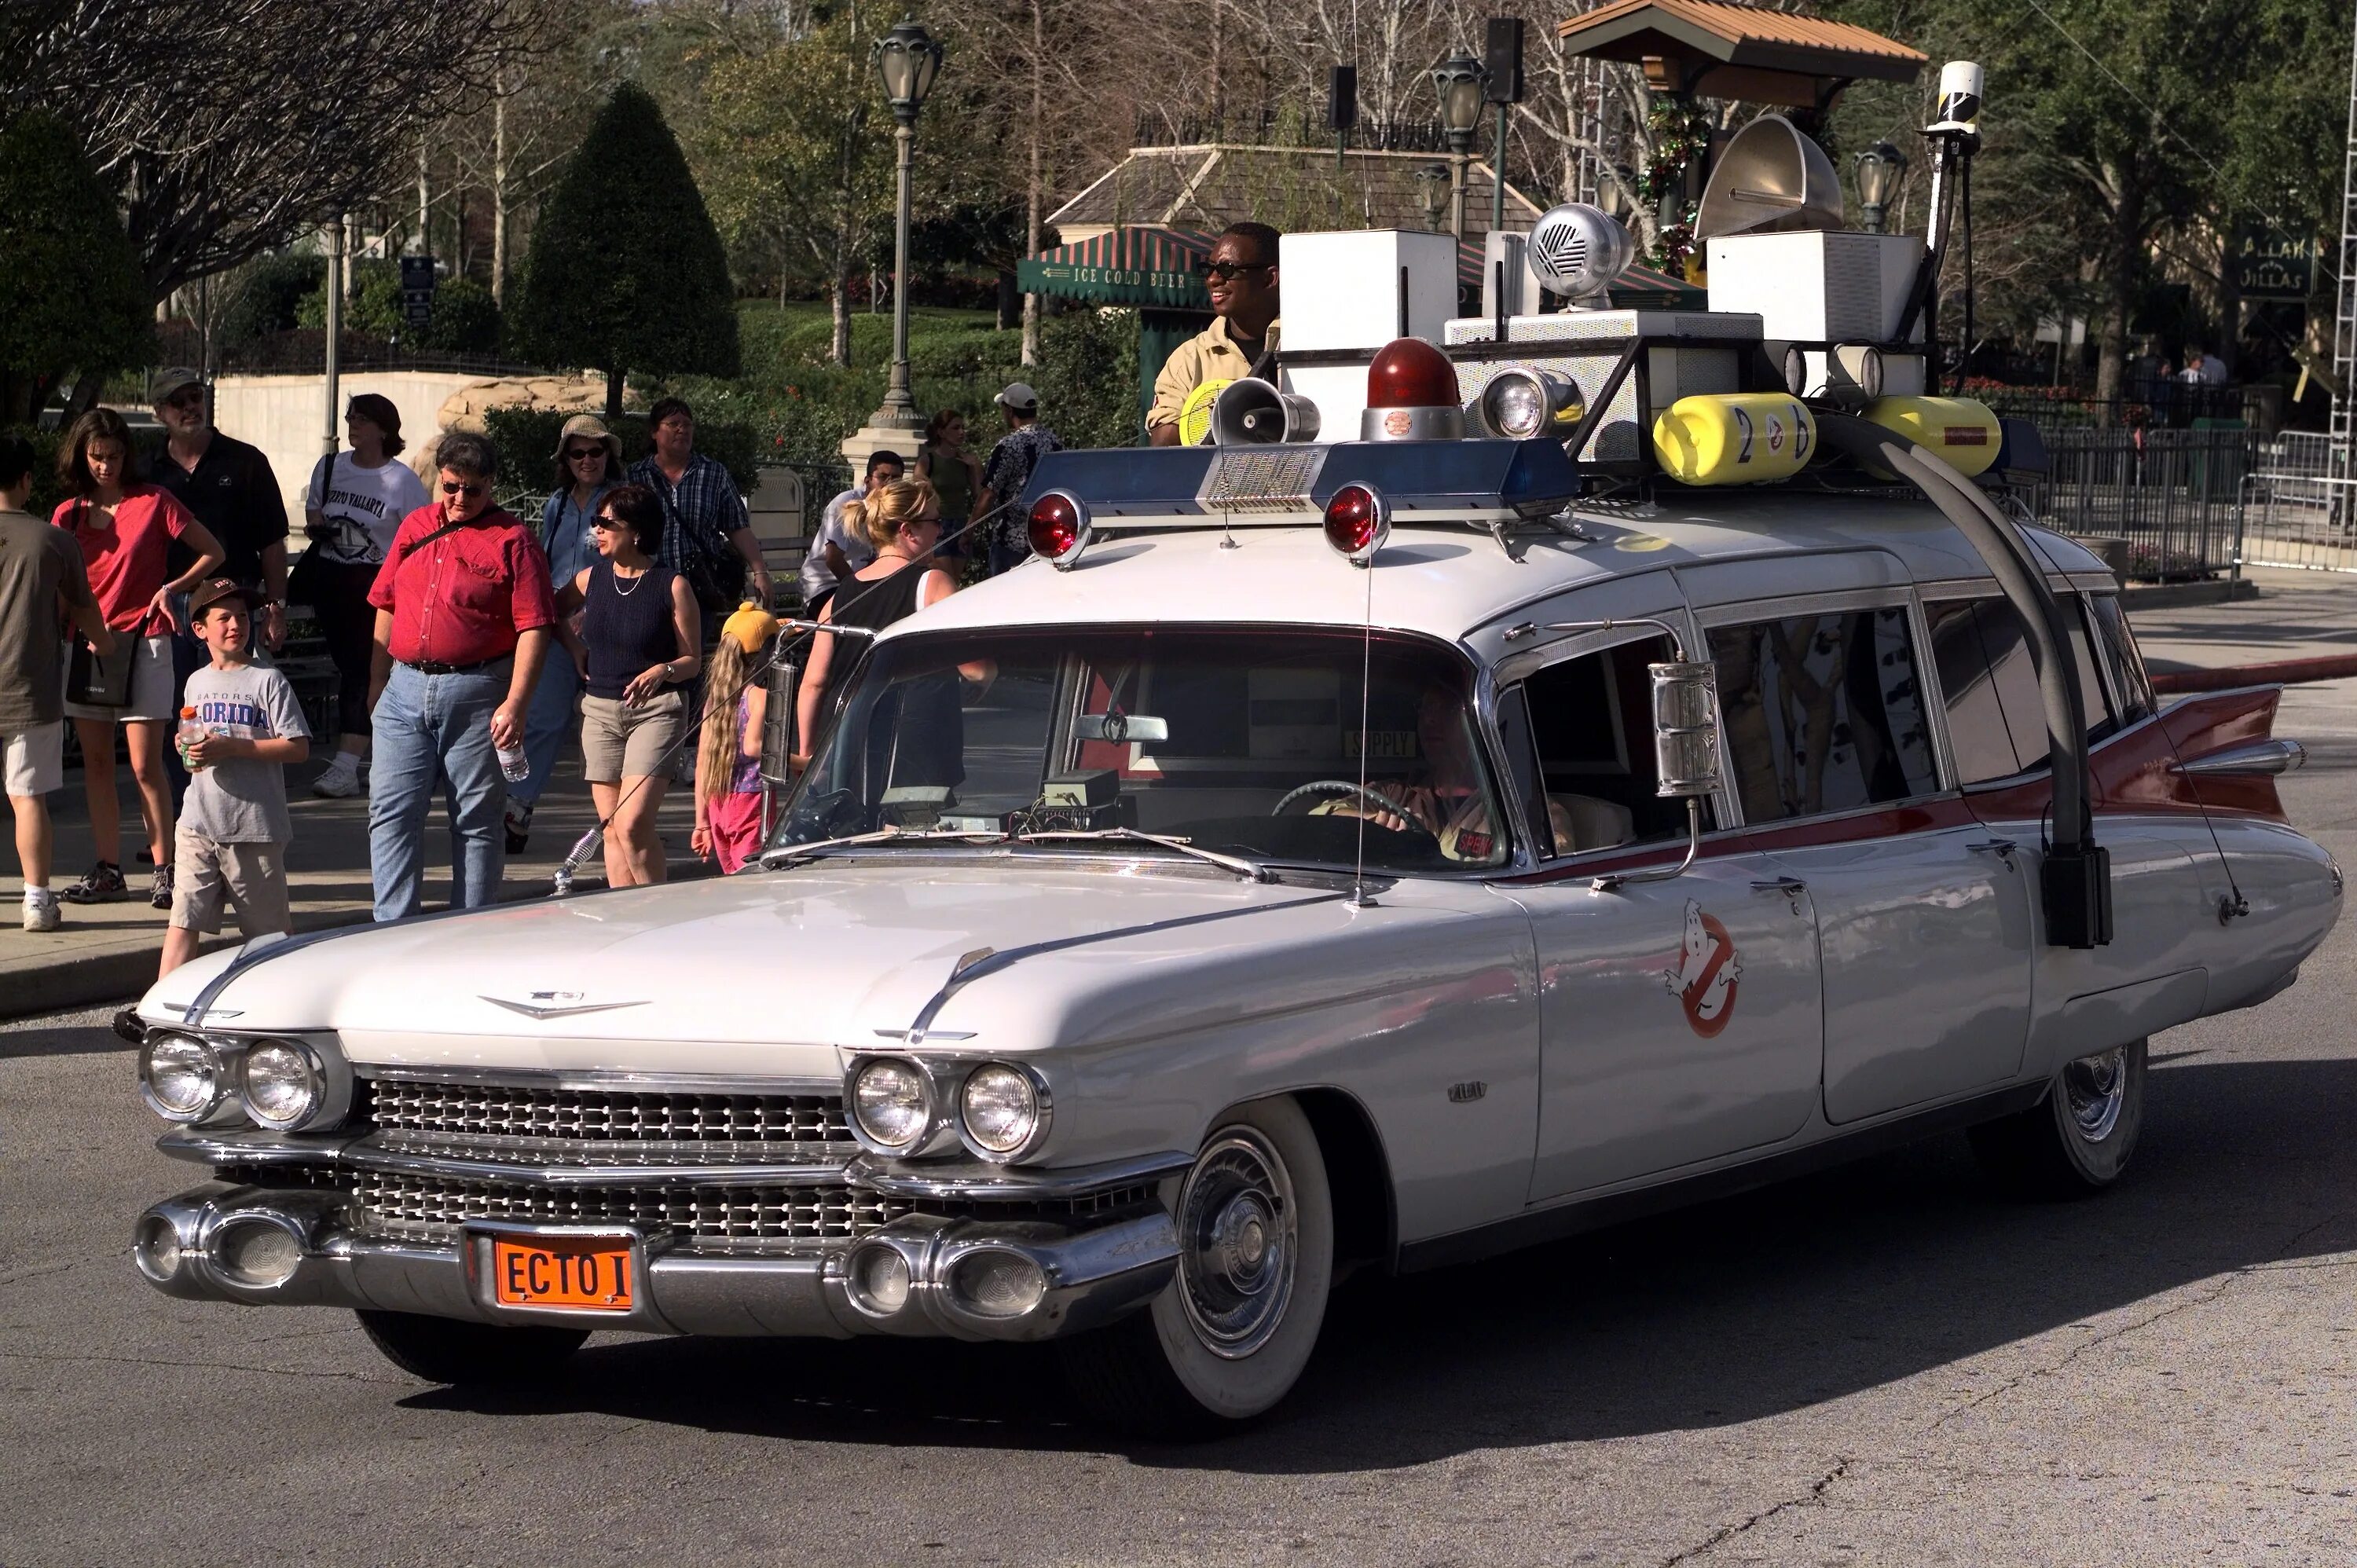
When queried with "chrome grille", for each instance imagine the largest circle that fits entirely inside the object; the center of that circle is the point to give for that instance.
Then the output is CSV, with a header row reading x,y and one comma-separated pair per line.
x,y
430,1208
603,1126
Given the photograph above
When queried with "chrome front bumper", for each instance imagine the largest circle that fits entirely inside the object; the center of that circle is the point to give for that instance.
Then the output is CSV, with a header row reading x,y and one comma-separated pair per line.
x,y
221,1241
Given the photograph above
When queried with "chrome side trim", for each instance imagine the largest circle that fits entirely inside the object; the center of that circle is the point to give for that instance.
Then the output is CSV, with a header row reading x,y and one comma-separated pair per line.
x,y
593,1078
977,1180
2259,759
253,1146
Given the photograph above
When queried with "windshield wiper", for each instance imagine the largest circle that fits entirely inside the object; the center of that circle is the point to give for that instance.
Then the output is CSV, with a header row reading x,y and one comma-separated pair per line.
x,y
1250,869
787,852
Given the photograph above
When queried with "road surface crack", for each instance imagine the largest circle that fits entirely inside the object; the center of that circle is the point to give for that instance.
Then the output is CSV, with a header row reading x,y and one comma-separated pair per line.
x,y
1813,1497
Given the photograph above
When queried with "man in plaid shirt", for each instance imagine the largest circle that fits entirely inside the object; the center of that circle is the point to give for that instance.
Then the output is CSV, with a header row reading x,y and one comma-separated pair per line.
x,y
701,510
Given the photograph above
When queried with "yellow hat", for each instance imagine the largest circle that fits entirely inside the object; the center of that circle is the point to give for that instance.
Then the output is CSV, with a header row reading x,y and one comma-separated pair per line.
x,y
752,626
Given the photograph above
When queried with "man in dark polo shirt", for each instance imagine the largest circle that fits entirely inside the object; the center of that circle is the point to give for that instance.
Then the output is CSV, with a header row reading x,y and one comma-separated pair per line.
x,y
231,489
464,617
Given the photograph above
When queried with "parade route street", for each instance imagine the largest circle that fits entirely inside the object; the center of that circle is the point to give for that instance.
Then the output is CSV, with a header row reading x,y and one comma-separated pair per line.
x,y
1883,1363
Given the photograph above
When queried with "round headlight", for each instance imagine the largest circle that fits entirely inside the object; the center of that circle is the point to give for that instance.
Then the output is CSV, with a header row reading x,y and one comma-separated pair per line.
x,y
181,1078
891,1100
1516,408
282,1084
1001,1108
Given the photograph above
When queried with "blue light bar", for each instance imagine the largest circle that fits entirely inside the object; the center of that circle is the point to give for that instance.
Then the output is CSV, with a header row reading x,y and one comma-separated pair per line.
x,y
1476,476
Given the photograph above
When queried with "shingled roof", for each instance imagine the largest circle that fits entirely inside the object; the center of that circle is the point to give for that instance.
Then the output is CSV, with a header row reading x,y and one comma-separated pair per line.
x,y
1721,50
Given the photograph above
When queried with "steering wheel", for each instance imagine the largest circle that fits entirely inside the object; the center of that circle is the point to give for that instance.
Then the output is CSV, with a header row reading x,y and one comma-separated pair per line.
x,y
1380,802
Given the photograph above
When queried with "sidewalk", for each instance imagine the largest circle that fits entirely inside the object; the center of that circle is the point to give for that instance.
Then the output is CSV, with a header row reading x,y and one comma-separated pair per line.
x,y
107,951
2298,615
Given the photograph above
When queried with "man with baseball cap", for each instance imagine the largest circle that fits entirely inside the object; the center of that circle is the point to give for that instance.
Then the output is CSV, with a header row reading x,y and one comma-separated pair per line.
x,y
1008,471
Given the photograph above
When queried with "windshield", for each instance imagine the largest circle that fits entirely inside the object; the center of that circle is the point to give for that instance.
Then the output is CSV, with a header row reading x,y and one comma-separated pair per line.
x,y
1239,741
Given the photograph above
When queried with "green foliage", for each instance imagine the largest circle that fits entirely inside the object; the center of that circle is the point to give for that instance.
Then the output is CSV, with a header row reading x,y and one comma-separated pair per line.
x,y
269,295
527,443
625,271
1087,377
47,490
466,318
72,296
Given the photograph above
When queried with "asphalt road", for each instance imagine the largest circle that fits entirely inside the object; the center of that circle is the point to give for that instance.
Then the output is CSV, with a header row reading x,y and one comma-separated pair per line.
x,y
1881,1364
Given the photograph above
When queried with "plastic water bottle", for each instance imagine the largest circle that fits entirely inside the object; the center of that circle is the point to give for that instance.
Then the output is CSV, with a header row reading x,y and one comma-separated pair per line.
x,y
514,766
189,732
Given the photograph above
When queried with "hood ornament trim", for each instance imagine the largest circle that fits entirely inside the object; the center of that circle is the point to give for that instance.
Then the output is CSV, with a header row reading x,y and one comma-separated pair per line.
x,y
546,1004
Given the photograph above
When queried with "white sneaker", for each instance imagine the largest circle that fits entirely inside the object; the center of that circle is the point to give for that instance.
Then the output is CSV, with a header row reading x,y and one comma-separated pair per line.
x,y
341,780
41,915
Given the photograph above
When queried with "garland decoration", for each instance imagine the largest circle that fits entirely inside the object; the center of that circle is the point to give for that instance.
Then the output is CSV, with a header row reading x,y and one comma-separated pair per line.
x,y
1680,133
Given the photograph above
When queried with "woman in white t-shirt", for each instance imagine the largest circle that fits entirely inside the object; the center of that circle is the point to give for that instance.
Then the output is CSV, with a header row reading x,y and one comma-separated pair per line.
x,y
355,503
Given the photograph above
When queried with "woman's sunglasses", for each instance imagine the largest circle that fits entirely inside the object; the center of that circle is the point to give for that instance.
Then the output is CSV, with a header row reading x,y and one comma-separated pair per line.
x,y
469,492
578,453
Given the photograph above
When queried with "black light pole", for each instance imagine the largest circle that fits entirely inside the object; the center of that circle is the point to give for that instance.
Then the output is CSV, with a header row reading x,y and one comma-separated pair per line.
x,y
1503,50
907,59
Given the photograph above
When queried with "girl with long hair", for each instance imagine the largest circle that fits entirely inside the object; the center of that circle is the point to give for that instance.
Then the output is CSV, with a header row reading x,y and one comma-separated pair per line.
x,y
125,530
728,785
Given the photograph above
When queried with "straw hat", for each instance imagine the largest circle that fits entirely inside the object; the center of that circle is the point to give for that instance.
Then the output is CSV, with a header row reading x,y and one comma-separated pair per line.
x,y
593,428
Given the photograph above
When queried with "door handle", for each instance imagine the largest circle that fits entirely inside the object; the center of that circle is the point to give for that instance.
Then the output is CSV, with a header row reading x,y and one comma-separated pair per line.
x,y
1787,885
2002,847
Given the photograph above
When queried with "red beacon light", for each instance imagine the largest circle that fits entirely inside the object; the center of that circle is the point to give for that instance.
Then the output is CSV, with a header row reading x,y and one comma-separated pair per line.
x,y
1058,528
1411,395
1357,520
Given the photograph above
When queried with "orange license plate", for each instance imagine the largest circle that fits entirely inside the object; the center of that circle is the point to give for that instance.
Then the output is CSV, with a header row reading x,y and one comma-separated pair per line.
x,y
590,1273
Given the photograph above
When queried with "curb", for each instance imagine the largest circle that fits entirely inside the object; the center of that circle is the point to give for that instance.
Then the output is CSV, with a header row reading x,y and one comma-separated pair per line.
x,y
2180,596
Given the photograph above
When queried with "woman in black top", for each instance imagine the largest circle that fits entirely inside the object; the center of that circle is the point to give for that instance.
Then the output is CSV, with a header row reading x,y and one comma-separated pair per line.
x,y
636,645
921,742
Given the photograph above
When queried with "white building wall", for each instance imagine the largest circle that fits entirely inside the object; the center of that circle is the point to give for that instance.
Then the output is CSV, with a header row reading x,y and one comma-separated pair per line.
x,y
287,417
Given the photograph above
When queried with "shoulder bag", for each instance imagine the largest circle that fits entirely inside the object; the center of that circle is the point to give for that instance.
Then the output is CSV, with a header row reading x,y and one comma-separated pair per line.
x,y
303,580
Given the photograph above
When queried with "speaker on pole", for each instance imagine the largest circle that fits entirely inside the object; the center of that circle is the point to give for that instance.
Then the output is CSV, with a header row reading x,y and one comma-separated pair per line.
x,y
1502,59
1343,98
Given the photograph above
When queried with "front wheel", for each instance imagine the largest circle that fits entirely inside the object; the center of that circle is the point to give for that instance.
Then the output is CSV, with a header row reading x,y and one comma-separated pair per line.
x,y
1233,1331
2077,1139
450,1350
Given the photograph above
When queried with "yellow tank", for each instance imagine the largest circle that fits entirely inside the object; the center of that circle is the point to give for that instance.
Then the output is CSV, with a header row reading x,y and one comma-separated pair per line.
x,y
1736,438
1959,432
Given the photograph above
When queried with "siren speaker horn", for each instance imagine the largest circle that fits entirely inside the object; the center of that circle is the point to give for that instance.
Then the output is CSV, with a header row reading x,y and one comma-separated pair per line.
x,y
1250,412
1771,180
1578,251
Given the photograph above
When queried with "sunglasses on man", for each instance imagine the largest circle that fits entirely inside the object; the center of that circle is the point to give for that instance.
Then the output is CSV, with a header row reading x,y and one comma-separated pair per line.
x,y
1220,271
189,398
469,492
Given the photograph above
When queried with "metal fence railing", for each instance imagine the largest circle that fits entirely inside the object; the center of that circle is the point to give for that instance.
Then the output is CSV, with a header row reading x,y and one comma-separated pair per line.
x,y
2299,515
2175,496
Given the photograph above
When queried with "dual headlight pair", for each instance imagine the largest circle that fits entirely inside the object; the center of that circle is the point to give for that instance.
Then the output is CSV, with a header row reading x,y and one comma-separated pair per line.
x,y
283,1085
901,1106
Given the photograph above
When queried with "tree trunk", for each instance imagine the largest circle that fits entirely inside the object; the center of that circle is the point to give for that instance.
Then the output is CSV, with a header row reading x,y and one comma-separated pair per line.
x,y
838,297
613,395
2124,265
424,202
498,192
1033,187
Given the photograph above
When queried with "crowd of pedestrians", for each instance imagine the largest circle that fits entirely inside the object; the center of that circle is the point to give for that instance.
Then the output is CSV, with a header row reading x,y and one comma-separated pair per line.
x,y
467,647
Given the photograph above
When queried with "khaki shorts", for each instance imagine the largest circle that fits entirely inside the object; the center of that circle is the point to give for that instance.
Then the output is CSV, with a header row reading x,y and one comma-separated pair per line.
x,y
618,743
154,689
32,761
253,874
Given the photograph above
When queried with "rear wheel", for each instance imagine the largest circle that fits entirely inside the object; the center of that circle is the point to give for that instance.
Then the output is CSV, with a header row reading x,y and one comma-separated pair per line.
x,y
451,1350
1233,1331
2077,1139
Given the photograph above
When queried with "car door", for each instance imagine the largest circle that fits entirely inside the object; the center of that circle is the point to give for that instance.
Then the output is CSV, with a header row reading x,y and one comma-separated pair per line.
x,y
1922,914
1679,1018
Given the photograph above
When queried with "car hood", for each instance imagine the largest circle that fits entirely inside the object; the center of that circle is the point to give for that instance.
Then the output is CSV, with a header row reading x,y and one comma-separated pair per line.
x,y
776,971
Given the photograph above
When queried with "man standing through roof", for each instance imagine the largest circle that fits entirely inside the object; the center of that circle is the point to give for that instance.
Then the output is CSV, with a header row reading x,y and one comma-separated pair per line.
x,y
1240,277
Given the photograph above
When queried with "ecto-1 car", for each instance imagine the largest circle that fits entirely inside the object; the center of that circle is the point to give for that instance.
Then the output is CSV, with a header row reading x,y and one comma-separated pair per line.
x,y
1372,853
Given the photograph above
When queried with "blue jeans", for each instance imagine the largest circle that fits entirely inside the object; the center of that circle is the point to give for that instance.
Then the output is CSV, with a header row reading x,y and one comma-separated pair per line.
x,y
547,722
429,730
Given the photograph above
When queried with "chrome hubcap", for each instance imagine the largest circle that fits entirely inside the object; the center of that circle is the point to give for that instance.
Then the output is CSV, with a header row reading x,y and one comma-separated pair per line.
x,y
2097,1088
1236,1244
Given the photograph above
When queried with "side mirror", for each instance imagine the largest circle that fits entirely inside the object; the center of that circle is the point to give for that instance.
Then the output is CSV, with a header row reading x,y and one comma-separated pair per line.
x,y
1685,730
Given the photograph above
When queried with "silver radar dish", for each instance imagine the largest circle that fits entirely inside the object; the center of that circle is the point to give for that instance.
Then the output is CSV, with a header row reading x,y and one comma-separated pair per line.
x,y
1769,179
1577,252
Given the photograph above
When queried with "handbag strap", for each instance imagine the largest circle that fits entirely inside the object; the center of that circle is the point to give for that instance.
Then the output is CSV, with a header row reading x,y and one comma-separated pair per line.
x,y
417,544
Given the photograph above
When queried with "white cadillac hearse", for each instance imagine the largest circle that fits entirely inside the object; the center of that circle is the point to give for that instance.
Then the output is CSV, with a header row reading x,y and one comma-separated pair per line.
x,y
1383,851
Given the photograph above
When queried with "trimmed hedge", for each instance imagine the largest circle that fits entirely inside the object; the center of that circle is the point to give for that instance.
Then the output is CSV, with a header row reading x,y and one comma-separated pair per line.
x,y
527,442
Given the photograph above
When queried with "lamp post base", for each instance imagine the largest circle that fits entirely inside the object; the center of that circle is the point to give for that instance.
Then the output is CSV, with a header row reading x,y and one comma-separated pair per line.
x,y
887,429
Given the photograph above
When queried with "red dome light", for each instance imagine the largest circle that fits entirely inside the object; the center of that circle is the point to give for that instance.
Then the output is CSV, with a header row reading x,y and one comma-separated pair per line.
x,y
1357,520
1058,528
1409,373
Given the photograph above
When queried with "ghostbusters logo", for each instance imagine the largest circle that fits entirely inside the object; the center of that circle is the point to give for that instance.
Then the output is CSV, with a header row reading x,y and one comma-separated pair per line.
x,y
1704,977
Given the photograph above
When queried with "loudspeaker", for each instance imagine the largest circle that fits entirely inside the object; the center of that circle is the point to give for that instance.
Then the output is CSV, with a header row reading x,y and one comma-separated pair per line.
x,y
1341,97
1250,412
1501,55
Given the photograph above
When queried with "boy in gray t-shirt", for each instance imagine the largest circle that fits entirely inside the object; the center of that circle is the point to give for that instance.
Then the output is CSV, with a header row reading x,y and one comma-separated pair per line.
x,y
234,828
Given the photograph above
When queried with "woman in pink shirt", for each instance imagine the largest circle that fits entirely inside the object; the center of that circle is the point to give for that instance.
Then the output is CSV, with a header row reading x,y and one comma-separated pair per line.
x,y
125,529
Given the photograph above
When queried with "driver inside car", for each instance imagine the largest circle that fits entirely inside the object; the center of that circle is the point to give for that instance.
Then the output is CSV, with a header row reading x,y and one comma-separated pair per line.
x,y
1443,797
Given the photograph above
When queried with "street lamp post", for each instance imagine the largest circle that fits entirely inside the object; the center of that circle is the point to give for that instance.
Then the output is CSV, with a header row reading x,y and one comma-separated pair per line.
x,y
908,58
1459,82
1433,185
1879,170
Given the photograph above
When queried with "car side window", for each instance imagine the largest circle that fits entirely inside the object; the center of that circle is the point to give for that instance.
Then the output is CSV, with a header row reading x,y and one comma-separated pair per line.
x,y
1824,712
1983,656
1591,729
2134,684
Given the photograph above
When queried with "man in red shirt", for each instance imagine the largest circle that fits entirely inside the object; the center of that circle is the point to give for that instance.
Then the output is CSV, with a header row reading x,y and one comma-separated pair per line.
x,y
464,617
